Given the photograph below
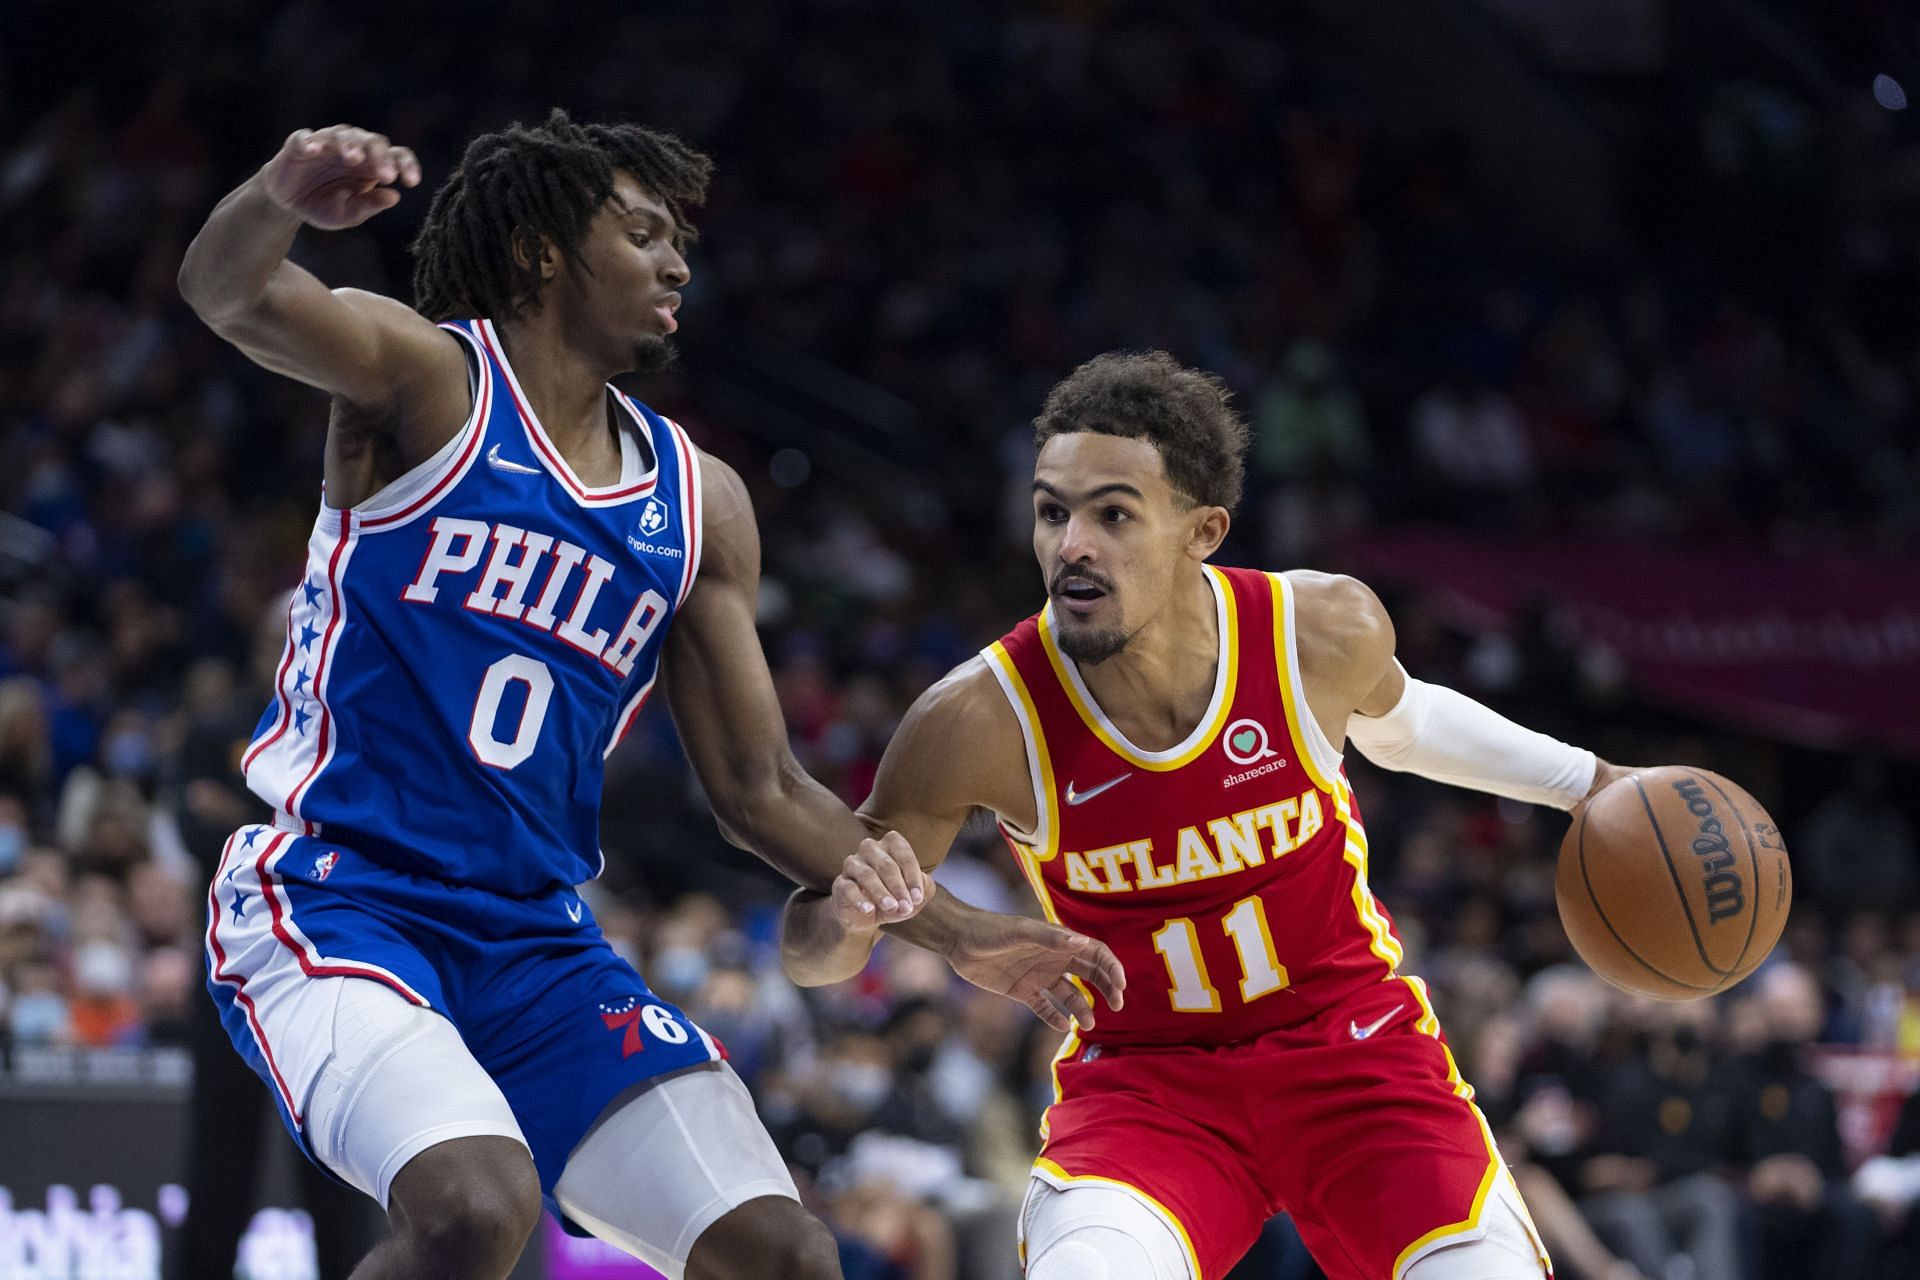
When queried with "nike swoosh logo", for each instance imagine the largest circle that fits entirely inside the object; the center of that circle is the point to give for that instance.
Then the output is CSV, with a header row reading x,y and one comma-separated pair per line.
x,y
1081,797
1361,1033
499,463
573,912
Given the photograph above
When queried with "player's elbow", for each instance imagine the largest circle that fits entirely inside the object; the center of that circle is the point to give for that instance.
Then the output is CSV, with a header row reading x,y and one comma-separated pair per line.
x,y
805,960
201,289
192,282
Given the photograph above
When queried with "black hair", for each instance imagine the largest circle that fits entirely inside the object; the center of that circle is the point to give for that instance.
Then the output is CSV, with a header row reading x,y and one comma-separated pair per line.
x,y
1148,395
548,179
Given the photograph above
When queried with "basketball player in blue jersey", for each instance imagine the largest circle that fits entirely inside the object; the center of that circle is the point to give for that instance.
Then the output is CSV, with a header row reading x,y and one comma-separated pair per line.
x,y
509,555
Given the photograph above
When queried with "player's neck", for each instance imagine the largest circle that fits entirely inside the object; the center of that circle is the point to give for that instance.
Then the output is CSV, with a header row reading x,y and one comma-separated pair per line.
x,y
563,381
1157,689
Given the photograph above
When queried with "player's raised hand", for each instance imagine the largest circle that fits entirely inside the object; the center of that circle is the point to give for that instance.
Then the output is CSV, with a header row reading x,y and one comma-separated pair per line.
x,y
881,883
339,176
1037,963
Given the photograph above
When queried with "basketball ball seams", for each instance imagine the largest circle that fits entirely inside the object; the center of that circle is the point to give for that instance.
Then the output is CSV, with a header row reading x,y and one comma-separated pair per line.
x,y
1601,913
1635,910
1686,907
1753,858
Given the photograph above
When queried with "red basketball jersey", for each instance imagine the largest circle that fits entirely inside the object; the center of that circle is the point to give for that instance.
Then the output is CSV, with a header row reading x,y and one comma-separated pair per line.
x,y
1228,873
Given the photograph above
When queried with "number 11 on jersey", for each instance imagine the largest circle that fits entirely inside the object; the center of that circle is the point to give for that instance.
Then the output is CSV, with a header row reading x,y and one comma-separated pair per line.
x,y
1261,973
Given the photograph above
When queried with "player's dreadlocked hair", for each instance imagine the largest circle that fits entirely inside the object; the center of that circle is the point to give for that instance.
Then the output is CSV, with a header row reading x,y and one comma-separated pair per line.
x,y
1148,395
532,180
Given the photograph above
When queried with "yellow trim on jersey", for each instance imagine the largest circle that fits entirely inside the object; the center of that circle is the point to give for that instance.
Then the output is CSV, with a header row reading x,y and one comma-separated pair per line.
x,y
1429,1024
1037,880
1053,1172
1068,1047
1096,720
1380,937
1439,1234
1282,628
1047,818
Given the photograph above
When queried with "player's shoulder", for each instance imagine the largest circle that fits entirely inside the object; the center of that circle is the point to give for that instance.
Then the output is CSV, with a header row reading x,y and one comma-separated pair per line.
x,y
960,744
1337,618
967,700
731,535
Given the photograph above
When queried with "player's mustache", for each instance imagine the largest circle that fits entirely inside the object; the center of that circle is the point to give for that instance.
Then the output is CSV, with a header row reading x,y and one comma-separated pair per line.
x,y
1077,573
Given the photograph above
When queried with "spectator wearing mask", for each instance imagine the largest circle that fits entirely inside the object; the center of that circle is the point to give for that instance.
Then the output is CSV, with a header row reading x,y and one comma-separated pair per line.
x,y
1786,1136
1652,1190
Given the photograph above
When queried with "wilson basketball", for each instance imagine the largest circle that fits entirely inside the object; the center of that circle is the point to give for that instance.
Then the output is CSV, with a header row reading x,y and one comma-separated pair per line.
x,y
1673,883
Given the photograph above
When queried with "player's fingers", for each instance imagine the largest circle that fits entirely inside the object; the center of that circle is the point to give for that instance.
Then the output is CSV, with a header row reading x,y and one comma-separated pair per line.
x,y
1048,1010
1098,965
301,142
892,875
850,905
868,882
408,166
912,877
1071,999
354,145
380,158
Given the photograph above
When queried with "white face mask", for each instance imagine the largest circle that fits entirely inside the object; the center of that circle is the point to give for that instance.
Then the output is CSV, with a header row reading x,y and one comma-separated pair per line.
x,y
103,969
861,1085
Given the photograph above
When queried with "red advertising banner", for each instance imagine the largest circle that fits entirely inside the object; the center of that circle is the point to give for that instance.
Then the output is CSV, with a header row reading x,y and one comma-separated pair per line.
x,y
1822,651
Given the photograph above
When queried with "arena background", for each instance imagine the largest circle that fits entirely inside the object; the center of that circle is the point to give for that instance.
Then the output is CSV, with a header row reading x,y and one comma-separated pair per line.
x,y
1584,329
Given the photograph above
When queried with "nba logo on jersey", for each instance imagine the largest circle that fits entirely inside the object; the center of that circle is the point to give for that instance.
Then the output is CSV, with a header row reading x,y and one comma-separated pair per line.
x,y
323,865
653,517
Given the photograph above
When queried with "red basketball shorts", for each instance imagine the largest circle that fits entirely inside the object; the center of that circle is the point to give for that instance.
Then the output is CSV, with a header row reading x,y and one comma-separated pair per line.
x,y
1356,1123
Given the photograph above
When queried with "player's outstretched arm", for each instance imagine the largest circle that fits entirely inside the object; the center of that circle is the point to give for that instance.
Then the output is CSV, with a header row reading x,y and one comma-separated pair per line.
x,y
728,714
935,771
373,352
958,750
1358,692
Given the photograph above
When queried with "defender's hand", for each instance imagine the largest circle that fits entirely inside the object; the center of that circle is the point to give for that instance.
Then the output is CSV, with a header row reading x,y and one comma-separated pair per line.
x,y
881,883
338,177
1035,963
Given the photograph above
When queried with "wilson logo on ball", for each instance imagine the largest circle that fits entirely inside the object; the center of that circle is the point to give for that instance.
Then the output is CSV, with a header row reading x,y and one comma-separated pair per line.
x,y
1726,894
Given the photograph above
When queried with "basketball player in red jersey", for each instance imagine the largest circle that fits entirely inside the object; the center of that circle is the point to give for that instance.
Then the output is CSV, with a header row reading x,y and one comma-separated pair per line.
x,y
1162,746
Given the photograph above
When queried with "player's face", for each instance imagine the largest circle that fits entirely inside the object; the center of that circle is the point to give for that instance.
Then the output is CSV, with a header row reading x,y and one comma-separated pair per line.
x,y
1111,534
636,271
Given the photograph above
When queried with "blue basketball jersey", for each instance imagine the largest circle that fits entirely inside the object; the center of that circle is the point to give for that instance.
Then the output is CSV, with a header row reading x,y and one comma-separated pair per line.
x,y
469,644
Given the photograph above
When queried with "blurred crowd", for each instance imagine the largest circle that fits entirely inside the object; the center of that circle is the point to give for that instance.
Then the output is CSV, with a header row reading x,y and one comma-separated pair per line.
x,y
955,203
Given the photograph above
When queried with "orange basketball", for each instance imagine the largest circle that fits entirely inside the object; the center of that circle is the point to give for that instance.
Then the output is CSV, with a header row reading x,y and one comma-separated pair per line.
x,y
1673,883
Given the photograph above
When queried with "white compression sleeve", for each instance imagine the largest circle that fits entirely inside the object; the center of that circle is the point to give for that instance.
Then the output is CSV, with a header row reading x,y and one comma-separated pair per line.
x,y
1440,734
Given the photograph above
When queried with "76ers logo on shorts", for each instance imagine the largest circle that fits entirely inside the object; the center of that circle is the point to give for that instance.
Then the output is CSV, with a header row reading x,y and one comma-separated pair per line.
x,y
653,517
630,1015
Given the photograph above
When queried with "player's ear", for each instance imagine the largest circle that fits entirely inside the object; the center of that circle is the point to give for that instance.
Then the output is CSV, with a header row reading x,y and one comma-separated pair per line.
x,y
1207,531
535,252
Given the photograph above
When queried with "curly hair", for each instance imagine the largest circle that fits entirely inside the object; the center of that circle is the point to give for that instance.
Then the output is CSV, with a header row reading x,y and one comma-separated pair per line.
x,y
1148,395
548,179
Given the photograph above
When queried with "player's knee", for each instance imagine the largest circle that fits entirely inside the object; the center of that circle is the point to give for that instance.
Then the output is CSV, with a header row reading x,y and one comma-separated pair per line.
x,y
478,1216
1092,1253
767,1236
812,1253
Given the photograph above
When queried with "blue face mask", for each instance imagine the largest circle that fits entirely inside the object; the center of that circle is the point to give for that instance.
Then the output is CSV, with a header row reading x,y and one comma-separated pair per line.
x,y
39,1018
13,847
128,755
